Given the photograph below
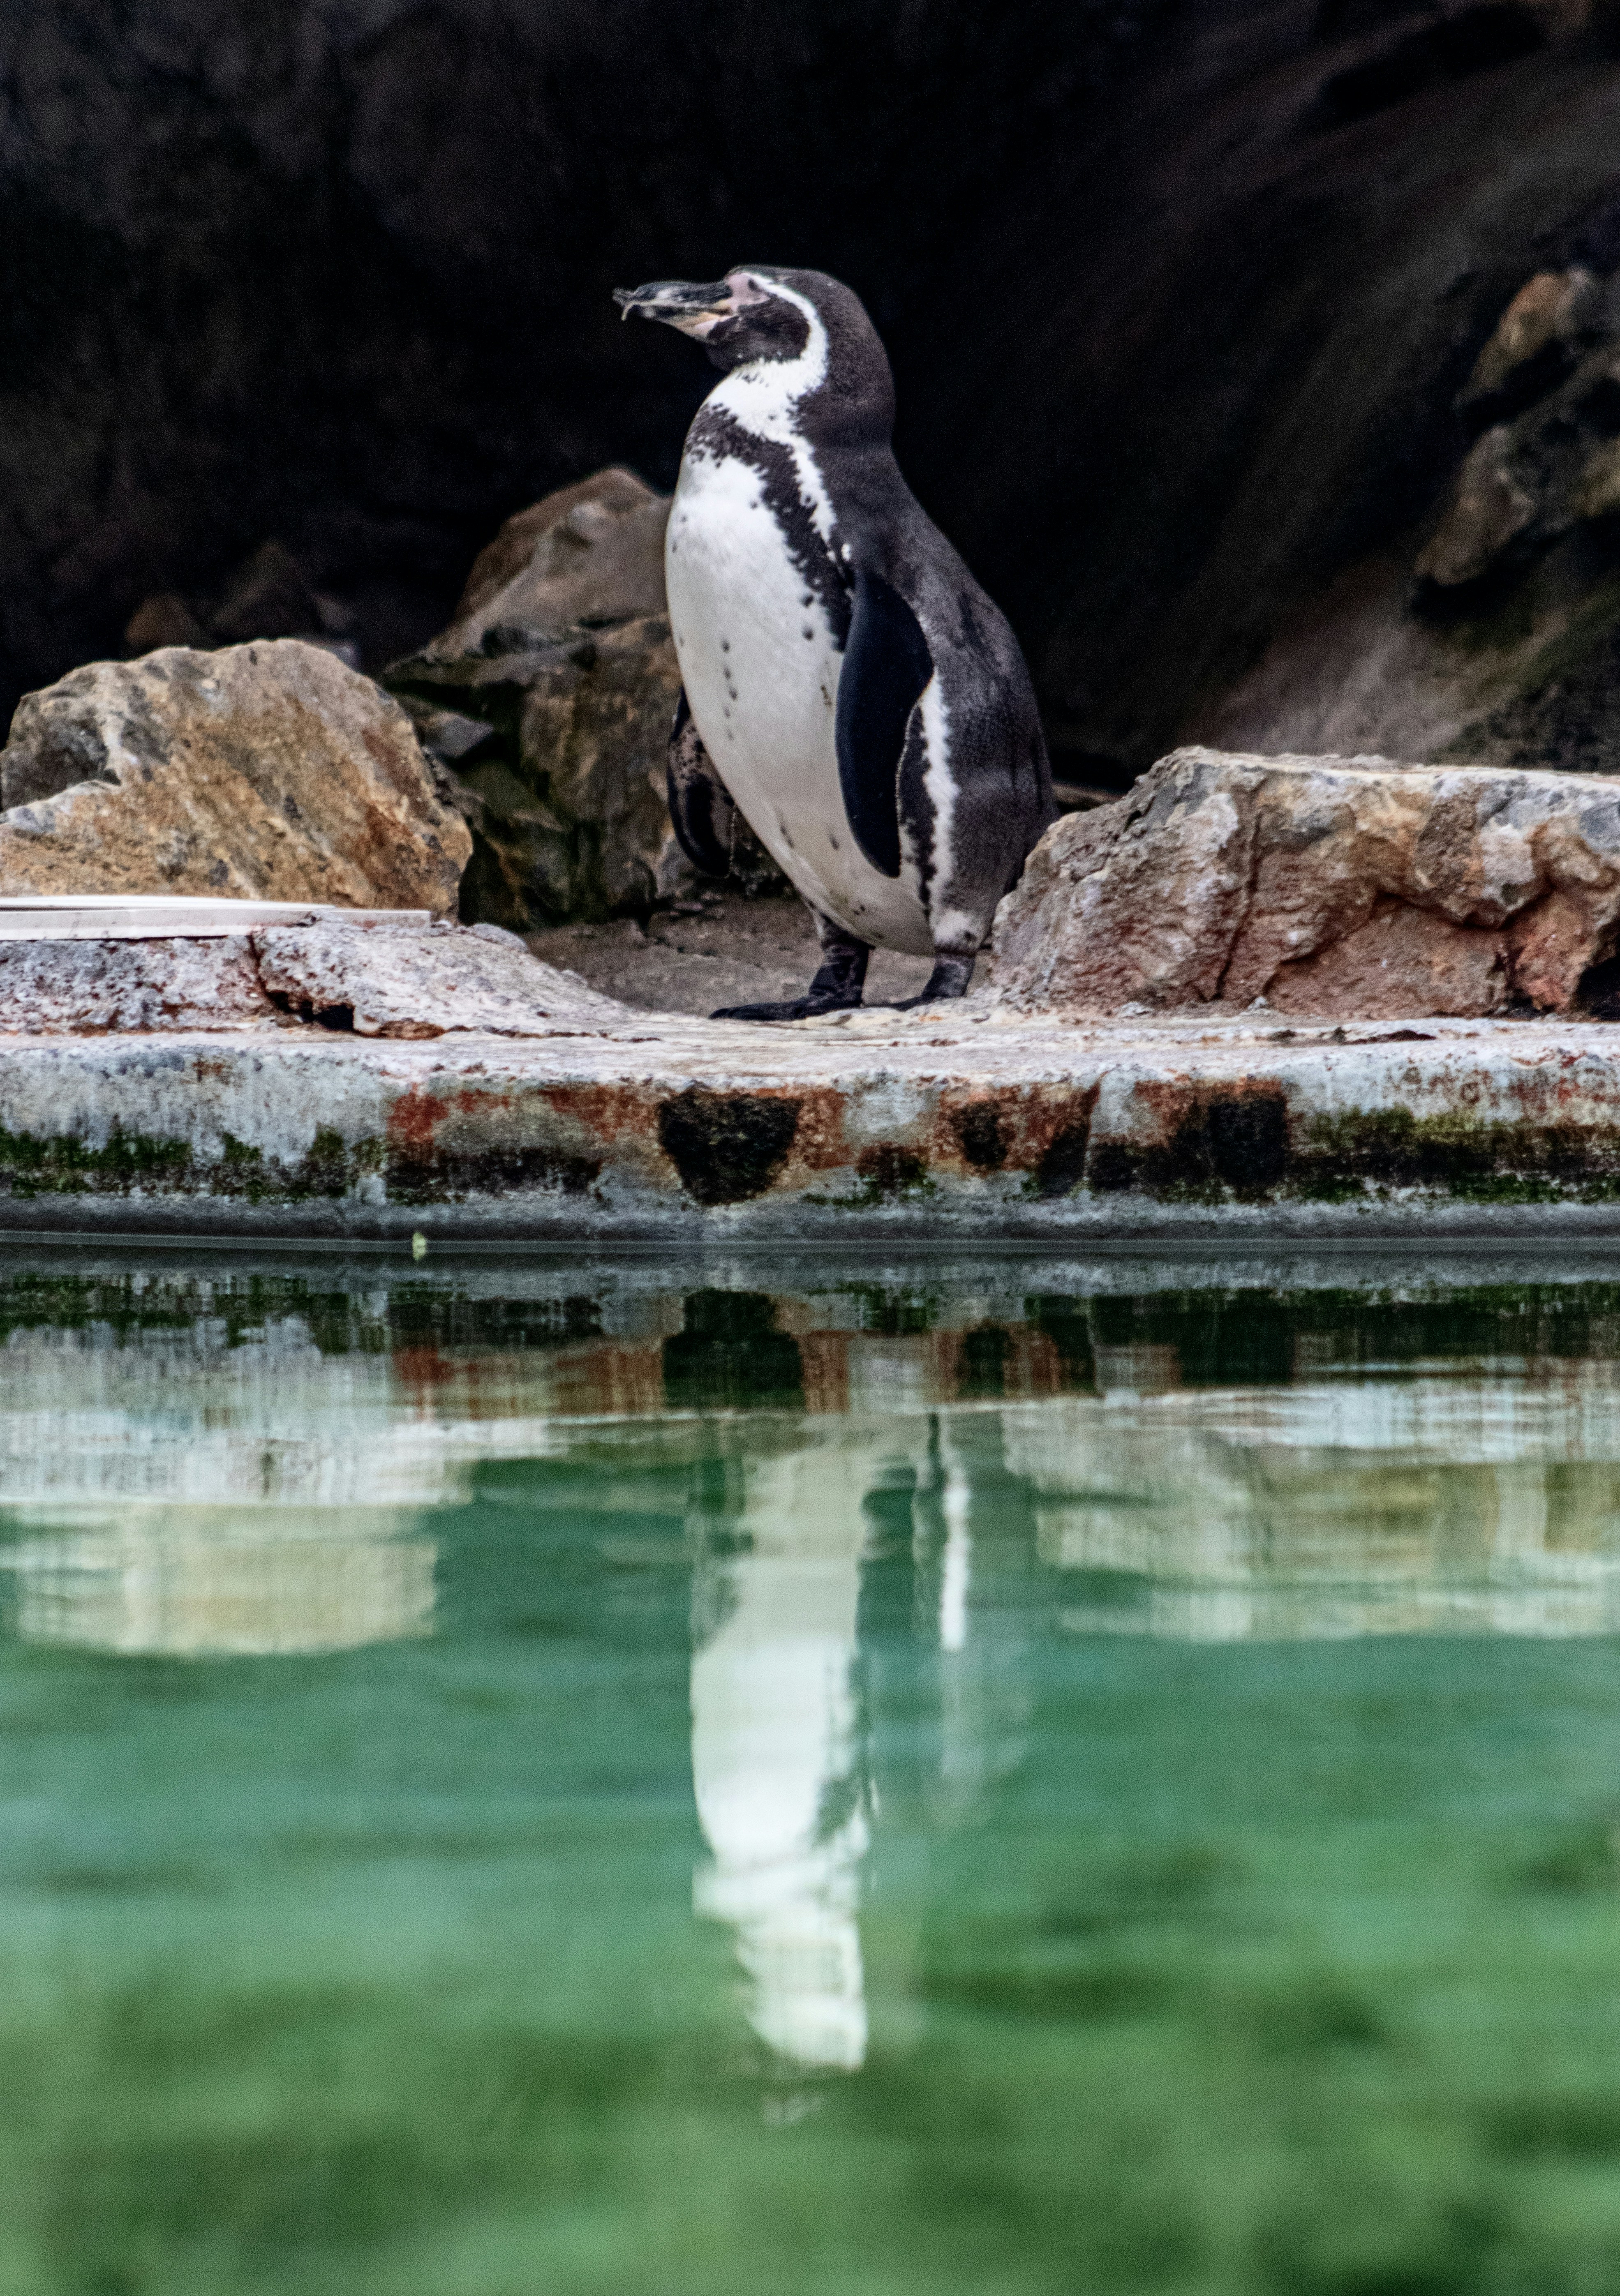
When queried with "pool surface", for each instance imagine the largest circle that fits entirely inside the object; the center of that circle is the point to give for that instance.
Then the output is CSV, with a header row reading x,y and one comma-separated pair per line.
x,y
613,1780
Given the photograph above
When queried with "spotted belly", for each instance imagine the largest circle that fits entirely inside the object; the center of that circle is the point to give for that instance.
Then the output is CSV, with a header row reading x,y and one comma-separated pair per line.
x,y
760,668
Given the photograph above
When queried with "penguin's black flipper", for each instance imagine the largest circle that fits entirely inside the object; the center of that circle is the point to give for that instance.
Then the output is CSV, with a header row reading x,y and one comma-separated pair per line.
x,y
886,665
700,808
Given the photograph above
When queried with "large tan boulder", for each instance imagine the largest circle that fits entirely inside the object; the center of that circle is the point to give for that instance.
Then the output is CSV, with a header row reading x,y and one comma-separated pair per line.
x,y
1346,887
550,696
269,770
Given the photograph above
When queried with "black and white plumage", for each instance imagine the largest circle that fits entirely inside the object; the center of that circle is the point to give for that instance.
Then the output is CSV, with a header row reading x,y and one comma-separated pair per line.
x,y
847,685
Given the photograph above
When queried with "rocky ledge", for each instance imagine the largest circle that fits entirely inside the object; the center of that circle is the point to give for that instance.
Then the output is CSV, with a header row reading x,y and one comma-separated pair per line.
x,y
975,1127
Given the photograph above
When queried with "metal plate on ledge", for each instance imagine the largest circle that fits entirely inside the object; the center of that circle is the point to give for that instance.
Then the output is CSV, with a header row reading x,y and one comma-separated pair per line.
x,y
161,916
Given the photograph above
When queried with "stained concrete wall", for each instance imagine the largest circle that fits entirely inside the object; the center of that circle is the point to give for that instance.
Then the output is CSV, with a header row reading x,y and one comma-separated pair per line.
x,y
960,1129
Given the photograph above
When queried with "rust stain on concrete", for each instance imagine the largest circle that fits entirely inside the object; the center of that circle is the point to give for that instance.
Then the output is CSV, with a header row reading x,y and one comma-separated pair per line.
x,y
608,1112
819,1143
415,1118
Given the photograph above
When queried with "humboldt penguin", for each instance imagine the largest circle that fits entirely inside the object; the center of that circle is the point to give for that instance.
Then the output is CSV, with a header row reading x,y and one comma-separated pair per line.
x,y
846,684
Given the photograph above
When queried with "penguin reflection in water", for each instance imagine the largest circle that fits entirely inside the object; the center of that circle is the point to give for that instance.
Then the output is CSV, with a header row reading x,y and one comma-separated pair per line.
x,y
847,686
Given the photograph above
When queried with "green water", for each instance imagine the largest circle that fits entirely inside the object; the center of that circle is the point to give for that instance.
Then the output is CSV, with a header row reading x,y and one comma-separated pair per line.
x,y
554,1781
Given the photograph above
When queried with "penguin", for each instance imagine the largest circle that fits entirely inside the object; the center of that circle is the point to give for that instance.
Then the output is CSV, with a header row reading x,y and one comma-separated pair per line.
x,y
846,686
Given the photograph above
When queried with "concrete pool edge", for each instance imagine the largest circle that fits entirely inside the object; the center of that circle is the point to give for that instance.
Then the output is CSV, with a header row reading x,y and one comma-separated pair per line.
x,y
904,1131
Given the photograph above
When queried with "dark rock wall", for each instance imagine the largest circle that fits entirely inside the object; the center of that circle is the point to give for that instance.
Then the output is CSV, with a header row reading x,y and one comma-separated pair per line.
x,y
1289,247
1179,291
338,271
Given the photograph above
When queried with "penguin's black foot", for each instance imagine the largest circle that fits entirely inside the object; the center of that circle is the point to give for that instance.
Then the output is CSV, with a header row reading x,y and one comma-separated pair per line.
x,y
796,1008
835,988
949,978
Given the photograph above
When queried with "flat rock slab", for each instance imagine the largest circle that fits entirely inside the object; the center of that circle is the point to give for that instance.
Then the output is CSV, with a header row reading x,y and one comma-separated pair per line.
x,y
149,916
167,965
1351,887
386,981
969,1128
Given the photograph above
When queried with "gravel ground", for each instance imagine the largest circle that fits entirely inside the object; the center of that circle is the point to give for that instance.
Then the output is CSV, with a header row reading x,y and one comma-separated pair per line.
x,y
732,951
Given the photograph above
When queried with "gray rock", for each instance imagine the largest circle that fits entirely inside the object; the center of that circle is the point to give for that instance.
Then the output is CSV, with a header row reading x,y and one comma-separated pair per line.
x,y
1597,489
585,556
387,979
1527,483
448,736
1346,886
270,597
1506,649
269,770
164,620
561,654
1553,313
1491,506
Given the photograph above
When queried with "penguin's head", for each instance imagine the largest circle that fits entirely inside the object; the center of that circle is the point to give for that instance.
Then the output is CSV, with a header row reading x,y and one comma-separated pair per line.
x,y
746,315
798,338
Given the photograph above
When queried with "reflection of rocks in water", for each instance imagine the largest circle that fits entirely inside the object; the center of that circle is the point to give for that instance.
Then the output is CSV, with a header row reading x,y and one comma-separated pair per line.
x,y
731,1354
187,1415
774,1767
855,1354
200,1582
192,1489
1467,1505
1218,1463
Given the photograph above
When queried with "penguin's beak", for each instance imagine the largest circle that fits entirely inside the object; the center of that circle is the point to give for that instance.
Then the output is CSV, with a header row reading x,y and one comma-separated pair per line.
x,y
678,303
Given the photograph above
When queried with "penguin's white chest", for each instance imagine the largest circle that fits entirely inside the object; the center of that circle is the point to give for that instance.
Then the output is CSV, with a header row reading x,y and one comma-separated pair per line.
x,y
760,670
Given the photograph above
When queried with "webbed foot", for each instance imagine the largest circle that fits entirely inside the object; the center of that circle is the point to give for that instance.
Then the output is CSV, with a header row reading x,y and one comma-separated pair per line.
x,y
795,1008
836,989
949,978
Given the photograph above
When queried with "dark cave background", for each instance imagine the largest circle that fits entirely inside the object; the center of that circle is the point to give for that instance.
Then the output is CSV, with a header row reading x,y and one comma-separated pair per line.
x,y
1178,292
